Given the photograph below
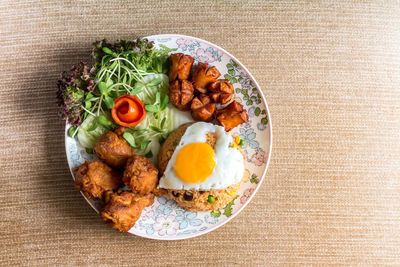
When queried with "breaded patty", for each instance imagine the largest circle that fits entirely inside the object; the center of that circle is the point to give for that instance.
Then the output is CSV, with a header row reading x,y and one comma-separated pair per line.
x,y
195,200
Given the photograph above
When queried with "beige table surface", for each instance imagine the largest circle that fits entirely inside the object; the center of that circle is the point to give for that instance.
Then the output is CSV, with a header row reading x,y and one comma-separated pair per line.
x,y
331,76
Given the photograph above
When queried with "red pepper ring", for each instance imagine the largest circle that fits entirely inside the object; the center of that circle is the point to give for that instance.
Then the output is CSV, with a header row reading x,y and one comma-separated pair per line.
x,y
128,111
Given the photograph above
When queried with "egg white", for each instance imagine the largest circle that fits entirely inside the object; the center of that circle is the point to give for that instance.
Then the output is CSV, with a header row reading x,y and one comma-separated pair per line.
x,y
177,118
229,168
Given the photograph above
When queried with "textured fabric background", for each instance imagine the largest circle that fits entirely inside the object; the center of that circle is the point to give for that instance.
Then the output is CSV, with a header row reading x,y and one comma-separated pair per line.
x,y
331,76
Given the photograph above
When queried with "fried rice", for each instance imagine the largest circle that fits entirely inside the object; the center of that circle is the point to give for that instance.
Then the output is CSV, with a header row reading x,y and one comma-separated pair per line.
x,y
194,200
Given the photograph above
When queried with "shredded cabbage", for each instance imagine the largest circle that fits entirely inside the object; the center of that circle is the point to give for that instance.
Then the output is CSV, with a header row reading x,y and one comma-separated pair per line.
x,y
156,126
90,132
148,95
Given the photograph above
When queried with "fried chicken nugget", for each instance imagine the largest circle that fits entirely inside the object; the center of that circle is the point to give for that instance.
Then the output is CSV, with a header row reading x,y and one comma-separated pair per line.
x,y
140,175
94,178
123,209
113,149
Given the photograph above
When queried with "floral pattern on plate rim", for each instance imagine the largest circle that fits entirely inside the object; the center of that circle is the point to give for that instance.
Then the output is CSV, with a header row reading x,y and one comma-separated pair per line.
x,y
165,219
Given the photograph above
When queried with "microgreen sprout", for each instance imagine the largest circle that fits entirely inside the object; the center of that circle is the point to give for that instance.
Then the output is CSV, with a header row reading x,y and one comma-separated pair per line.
x,y
125,67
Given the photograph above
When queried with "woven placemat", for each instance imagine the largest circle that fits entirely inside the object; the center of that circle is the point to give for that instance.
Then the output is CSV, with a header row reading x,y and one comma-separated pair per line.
x,y
331,76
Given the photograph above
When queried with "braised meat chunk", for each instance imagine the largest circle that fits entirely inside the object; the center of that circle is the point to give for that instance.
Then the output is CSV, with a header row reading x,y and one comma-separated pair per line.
x,y
180,94
180,66
232,115
140,175
203,76
94,178
202,108
123,209
221,91
113,149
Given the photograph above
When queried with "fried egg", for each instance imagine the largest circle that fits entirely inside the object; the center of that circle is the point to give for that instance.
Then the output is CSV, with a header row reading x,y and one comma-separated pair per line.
x,y
196,165
179,118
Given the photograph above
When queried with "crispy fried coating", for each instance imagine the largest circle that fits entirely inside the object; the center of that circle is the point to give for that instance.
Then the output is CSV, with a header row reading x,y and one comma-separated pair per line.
x,y
203,76
180,94
140,175
202,108
232,115
94,178
221,91
123,209
181,65
113,149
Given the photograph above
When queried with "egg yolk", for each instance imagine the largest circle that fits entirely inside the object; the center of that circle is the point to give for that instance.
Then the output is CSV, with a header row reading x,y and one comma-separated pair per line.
x,y
195,162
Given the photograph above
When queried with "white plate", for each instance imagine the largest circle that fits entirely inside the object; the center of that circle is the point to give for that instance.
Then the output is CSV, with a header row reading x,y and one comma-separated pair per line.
x,y
164,219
